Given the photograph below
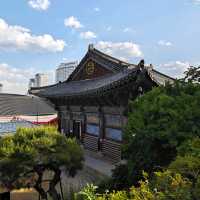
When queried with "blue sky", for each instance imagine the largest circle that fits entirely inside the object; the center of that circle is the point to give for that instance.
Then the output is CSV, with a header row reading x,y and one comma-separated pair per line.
x,y
36,35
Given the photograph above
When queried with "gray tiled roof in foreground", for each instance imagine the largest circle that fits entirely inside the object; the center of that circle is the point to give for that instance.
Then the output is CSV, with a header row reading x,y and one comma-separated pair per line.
x,y
12,104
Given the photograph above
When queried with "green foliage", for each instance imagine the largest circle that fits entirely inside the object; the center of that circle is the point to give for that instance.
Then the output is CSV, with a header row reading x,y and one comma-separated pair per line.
x,y
165,186
196,191
88,193
192,74
188,166
158,123
187,163
163,131
118,180
190,147
27,154
172,186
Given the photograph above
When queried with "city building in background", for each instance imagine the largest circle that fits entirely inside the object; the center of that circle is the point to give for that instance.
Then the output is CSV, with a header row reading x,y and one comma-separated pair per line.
x,y
31,83
64,70
1,88
41,80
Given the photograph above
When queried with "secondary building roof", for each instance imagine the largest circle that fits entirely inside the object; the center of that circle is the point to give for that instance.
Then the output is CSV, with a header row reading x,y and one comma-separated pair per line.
x,y
12,104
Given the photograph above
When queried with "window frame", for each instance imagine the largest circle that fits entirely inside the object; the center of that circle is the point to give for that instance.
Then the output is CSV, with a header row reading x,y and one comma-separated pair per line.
x,y
93,124
113,139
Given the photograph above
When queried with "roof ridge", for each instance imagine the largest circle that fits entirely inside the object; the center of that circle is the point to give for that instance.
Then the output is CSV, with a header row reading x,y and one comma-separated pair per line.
x,y
109,56
47,86
10,94
156,71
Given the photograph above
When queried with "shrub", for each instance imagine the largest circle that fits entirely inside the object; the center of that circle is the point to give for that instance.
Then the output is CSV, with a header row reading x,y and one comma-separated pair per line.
x,y
164,186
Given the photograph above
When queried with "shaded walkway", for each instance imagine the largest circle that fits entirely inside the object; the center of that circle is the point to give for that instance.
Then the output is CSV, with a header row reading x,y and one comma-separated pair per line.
x,y
98,163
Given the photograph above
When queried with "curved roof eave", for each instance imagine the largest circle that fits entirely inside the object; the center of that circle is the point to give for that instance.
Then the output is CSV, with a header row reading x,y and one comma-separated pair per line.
x,y
83,87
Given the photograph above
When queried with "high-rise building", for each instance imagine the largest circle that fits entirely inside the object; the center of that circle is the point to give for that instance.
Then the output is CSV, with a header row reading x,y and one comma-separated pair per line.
x,y
31,83
64,70
41,80
1,88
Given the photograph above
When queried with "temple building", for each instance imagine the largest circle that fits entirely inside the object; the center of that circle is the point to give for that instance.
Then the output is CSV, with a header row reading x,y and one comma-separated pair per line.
x,y
92,103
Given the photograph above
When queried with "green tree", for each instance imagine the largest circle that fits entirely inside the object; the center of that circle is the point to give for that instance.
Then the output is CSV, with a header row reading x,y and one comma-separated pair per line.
x,y
187,163
196,191
28,154
118,180
192,75
173,186
158,123
163,186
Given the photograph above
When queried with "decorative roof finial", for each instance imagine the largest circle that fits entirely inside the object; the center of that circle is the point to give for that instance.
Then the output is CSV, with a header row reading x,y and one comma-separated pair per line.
x,y
150,67
91,47
141,64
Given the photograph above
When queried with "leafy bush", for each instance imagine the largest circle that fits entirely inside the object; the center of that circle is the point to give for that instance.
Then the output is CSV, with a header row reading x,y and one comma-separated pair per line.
x,y
164,186
187,163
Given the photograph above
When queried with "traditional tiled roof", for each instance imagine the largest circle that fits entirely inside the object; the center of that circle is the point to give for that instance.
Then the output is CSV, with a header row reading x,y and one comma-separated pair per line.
x,y
12,104
122,72
85,87
159,78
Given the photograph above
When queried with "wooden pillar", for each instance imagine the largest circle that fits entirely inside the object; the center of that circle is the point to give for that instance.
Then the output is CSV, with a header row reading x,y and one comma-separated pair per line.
x,y
63,116
70,122
83,123
67,121
101,128
59,121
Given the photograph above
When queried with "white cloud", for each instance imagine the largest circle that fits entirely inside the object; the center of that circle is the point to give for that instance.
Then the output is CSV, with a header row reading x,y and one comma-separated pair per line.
x,y
20,38
164,43
175,69
73,22
15,80
88,35
196,2
128,29
39,4
123,50
96,9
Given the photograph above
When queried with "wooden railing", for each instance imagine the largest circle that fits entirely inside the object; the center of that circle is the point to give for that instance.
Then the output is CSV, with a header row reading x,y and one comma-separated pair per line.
x,y
111,150
90,142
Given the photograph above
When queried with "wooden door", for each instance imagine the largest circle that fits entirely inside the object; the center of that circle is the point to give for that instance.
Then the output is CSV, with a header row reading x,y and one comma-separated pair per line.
x,y
77,130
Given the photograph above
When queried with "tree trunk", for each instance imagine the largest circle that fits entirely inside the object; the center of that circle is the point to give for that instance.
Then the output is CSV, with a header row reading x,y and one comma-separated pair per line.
x,y
38,185
52,185
42,193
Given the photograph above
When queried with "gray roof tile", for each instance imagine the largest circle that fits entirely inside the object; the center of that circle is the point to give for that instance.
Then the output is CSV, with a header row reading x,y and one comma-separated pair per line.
x,y
11,104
